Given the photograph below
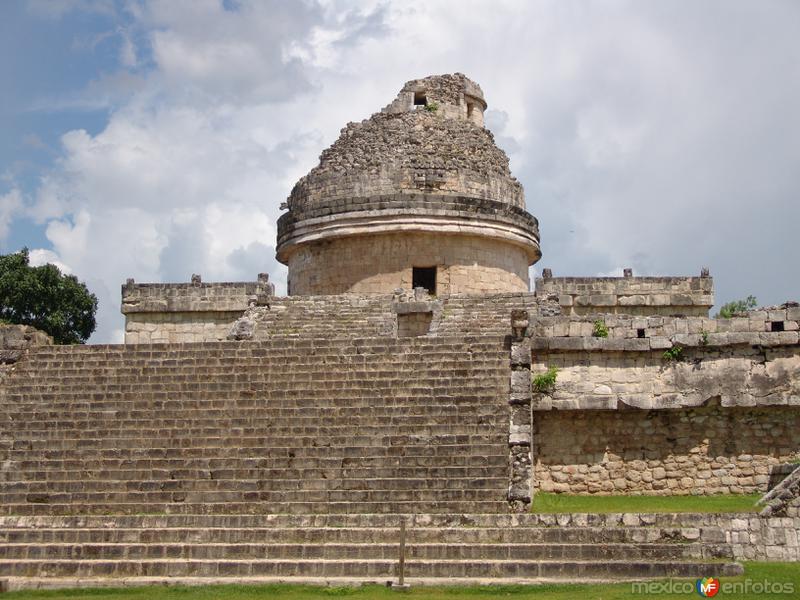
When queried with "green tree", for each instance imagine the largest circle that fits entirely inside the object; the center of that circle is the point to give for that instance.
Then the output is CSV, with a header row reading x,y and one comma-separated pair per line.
x,y
43,297
736,307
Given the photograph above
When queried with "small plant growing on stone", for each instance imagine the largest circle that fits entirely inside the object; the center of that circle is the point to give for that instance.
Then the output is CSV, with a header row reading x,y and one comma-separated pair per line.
x,y
545,382
737,307
674,354
432,107
703,337
600,329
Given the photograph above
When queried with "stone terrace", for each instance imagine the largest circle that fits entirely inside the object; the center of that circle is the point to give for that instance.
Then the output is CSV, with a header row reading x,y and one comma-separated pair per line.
x,y
52,551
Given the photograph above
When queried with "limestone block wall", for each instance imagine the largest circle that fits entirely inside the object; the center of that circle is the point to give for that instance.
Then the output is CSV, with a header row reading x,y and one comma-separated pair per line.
x,y
714,415
739,376
760,538
179,327
750,537
378,264
187,312
715,358
688,296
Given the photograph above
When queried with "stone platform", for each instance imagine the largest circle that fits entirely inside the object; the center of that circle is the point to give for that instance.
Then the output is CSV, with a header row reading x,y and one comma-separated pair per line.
x,y
58,551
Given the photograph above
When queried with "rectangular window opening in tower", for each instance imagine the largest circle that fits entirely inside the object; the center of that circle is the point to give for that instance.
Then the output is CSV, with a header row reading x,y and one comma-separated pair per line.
x,y
470,107
424,277
420,99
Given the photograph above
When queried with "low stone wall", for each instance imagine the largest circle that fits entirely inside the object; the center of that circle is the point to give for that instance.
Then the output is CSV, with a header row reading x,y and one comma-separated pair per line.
x,y
662,362
187,312
707,450
179,327
687,296
762,538
750,537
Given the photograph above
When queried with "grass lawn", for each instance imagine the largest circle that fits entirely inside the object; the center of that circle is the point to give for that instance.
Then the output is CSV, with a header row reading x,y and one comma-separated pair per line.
x,y
783,574
567,503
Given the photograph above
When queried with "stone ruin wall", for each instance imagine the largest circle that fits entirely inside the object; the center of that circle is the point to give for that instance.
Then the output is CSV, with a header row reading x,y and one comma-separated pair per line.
x,y
395,315
687,296
707,450
457,97
471,266
161,313
622,418
346,315
15,340
193,312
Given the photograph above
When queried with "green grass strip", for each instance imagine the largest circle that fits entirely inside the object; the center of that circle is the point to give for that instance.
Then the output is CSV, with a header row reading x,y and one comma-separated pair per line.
x,y
785,575
568,503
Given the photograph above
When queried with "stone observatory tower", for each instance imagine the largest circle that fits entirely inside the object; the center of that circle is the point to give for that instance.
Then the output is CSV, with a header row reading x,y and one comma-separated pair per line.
x,y
418,195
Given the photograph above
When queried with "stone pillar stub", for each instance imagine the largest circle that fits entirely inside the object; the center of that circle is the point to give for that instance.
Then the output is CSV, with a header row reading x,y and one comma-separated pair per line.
x,y
519,422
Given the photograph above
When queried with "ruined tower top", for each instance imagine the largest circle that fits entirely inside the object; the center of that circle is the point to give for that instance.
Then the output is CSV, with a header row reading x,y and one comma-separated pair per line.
x,y
421,181
457,96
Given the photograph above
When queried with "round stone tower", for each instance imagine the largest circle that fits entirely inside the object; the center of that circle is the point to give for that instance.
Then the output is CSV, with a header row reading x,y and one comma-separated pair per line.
x,y
417,195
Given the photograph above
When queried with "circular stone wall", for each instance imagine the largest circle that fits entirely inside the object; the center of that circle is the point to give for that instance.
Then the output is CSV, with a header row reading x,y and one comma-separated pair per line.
x,y
381,263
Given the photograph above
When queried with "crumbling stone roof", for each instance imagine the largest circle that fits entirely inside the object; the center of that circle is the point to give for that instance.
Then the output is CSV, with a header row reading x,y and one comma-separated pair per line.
x,y
411,149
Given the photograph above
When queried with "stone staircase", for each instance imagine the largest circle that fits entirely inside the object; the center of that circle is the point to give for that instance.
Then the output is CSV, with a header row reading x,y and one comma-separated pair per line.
x,y
346,548
281,426
291,460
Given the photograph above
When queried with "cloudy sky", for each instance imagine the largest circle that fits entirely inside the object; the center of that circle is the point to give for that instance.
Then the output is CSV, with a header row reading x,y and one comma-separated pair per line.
x,y
156,139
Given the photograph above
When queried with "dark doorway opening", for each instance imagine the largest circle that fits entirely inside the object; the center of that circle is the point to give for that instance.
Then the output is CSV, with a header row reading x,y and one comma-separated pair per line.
x,y
424,277
420,99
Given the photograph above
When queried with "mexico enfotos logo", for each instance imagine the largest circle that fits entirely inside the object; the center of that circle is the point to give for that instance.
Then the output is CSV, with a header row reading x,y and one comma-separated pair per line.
x,y
708,587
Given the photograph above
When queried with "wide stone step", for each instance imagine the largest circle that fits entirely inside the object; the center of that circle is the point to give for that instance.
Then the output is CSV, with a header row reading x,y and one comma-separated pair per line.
x,y
414,551
531,569
252,441
68,468
251,413
99,405
486,358
442,374
701,523
295,452
335,483
711,537
253,495
255,507
278,431
16,476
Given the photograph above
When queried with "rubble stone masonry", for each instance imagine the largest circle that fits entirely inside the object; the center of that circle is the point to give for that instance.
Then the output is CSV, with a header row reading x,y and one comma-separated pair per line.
x,y
706,450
